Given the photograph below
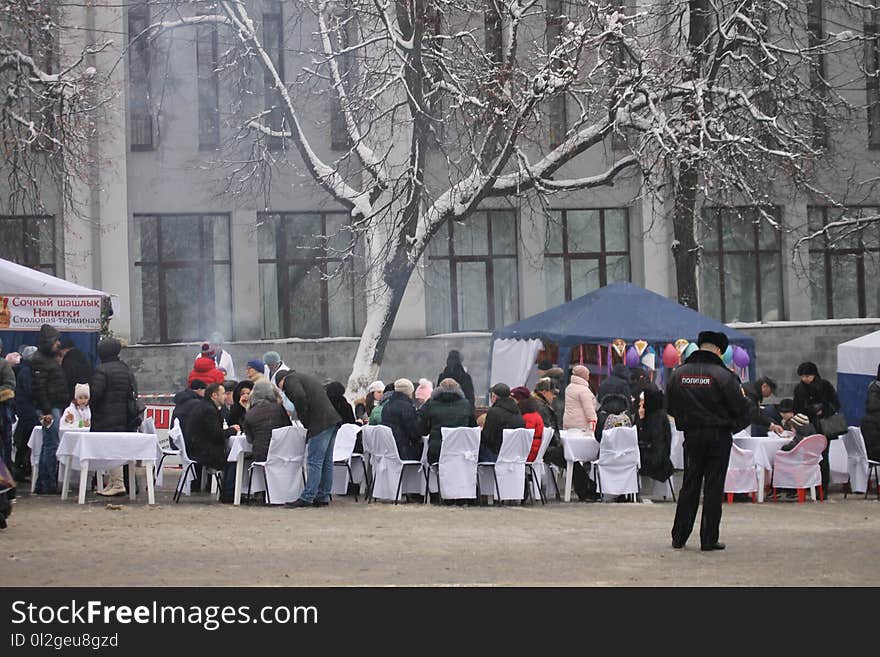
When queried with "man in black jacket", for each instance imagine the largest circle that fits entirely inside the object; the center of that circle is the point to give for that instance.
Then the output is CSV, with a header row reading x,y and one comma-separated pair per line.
x,y
113,389
50,397
399,413
447,407
315,410
76,365
503,414
709,405
816,398
204,433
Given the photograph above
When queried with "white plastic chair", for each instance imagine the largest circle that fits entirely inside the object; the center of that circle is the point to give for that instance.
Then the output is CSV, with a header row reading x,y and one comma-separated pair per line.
x,y
149,426
799,467
388,469
35,442
617,468
859,466
509,471
343,455
742,473
281,474
537,469
457,464
189,466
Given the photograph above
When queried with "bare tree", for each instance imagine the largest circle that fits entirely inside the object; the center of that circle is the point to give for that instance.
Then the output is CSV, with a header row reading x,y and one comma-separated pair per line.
x,y
444,105
49,108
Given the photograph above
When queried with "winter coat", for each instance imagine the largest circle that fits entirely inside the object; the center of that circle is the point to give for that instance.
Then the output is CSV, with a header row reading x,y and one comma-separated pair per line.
x,y
112,387
75,418
376,413
655,438
455,370
77,369
703,394
399,413
205,435
336,395
800,432
313,408
24,404
206,370
871,433
616,384
533,420
7,376
49,386
818,400
259,422
761,420
580,406
504,414
551,420
872,405
184,402
445,408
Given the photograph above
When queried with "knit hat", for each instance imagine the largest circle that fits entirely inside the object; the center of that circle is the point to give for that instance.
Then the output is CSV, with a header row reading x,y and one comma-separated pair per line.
x,y
376,386
520,393
27,351
405,386
500,390
800,420
546,384
423,392
786,405
256,364
582,371
271,358
81,390
207,352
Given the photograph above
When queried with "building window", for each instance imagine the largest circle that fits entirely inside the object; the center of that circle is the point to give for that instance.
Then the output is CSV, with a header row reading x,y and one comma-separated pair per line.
x,y
845,263
140,114
310,275
817,72
209,87
872,79
471,278
740,274
182,278
585,250
29,240
273,42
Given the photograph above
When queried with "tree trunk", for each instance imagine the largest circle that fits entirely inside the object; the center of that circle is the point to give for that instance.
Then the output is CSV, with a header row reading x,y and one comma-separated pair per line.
x,y
684,249
381,313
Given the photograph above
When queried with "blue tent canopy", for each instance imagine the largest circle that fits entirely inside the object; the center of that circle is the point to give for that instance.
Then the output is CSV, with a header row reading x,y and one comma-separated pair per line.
x,y
620,310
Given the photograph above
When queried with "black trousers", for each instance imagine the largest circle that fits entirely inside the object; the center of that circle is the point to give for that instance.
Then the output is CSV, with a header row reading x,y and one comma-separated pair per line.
x,y
706,455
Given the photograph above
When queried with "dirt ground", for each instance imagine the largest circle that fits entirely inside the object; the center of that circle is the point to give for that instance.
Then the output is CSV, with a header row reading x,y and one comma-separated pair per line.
x,y
55,543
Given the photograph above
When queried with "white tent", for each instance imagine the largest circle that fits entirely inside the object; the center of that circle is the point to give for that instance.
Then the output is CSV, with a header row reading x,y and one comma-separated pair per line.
x,y
857,362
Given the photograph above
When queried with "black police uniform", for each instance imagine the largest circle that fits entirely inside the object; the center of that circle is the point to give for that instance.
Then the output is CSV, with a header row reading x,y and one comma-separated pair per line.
x,y
707,401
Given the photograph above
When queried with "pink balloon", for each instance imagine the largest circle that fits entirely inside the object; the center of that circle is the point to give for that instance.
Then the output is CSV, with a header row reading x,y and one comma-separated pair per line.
x,y
740,357
670,356
632,357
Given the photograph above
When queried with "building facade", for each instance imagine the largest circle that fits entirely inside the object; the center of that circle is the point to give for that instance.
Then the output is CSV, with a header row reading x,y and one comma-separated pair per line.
x,y
187,259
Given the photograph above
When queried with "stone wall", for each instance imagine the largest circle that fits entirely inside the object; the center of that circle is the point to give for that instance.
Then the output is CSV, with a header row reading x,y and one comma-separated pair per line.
x,y
780,348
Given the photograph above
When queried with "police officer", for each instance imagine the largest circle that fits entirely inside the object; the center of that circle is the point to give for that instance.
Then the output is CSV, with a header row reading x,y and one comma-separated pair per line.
x,y
709,405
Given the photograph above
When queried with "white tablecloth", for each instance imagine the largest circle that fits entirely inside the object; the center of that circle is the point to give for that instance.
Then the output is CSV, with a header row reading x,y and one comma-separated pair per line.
x,y
237,444
84,451
764,447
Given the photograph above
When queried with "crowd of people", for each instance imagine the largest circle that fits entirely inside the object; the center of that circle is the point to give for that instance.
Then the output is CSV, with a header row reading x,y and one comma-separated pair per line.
x,y
53,385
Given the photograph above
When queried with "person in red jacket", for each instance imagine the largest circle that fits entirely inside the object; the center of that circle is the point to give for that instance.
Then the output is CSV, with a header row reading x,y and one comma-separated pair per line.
x,y
528,406
205,368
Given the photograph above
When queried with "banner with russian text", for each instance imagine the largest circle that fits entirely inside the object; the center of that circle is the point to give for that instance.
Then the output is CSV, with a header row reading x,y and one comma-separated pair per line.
x,y
30,312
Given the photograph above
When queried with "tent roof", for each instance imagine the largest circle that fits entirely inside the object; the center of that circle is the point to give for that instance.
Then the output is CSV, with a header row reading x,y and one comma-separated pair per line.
x,y
860,355
17,279
620,310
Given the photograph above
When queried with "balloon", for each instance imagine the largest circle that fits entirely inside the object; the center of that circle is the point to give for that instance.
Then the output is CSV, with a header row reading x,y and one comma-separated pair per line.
x,y
740,357
727,356
670,356
691,348
632,357
681,344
